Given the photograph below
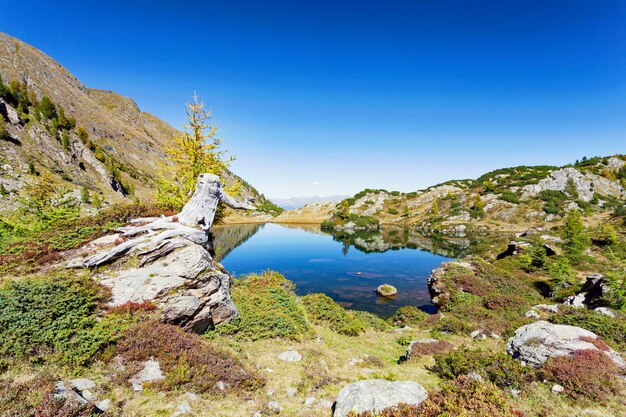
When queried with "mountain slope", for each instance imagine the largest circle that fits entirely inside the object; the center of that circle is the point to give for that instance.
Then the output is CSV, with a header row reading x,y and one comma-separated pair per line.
x,y
117,156
504,199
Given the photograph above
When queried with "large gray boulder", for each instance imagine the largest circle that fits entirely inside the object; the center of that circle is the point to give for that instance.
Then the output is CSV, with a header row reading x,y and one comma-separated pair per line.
x,y
166,263
535,343
377,394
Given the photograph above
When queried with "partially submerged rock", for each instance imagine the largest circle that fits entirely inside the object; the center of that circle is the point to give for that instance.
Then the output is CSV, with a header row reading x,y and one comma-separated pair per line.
x,y
386,290
377,394
535,343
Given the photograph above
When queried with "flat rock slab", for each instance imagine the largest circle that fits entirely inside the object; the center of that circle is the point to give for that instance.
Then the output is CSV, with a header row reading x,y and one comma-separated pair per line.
x,y
82,384
290,356
151,372
377,394
535,343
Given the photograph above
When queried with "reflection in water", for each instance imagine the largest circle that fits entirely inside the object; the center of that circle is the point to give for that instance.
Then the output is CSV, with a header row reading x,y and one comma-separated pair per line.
x,y
347,267
229,237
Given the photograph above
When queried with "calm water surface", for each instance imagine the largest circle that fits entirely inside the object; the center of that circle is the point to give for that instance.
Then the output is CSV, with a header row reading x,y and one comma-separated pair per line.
x,y
346,269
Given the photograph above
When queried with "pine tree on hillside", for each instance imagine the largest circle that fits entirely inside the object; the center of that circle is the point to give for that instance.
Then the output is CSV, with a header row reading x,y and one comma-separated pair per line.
x,y
193,152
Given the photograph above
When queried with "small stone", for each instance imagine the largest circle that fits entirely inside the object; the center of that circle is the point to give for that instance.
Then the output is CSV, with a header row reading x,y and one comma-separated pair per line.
x,y
151,372
290,356
576,301
354,361
550,308
557,389
270,392
88,395
476,376
221,385
605,311
274,406
291,391
478,334
61,391
532,314
403,329
191,396
183,408
82,383
326,403
104,405
309,401
269,370
515,392
257,414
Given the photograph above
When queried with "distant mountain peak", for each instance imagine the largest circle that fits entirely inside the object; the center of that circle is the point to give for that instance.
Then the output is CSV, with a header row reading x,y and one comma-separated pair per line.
x,y
294,203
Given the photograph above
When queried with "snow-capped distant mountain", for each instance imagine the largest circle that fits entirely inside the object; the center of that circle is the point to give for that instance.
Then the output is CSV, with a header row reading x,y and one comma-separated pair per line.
x,y
298,202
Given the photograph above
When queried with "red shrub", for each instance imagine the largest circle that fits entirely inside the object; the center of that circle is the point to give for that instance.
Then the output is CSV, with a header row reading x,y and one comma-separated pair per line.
x,y
472,284
120,240
467,397
52,407
187,359
597,342
34,398
505,302
401,410
430,348
131,307
431,320
586,373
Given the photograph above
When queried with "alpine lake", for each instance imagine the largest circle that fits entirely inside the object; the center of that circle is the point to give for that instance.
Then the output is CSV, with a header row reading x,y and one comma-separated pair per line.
x,y
346,267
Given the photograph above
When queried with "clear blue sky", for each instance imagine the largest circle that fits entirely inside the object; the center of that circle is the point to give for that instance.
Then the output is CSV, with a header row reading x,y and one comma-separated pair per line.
x,y
332,97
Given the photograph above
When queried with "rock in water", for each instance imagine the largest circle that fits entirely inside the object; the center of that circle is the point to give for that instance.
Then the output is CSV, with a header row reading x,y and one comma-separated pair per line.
x,y
537,342
386,290
377,394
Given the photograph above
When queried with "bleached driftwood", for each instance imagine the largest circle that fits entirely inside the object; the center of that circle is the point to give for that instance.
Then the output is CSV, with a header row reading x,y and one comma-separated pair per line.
x,y
153,238
200,209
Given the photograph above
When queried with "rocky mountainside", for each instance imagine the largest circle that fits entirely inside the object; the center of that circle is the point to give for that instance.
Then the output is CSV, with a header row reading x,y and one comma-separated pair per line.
x,y
94,139
505,199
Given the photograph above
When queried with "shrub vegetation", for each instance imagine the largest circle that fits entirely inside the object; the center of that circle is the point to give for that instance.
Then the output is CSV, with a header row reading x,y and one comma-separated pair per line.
x,y
54,320
321,309
268,308
188,361
408,316
499,368
585,374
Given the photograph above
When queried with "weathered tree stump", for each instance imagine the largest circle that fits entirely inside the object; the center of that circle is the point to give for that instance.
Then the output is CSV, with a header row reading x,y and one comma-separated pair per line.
x,y
201,208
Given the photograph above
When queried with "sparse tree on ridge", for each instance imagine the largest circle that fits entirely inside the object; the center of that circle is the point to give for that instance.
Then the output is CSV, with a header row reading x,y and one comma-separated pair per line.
x,y
194,151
